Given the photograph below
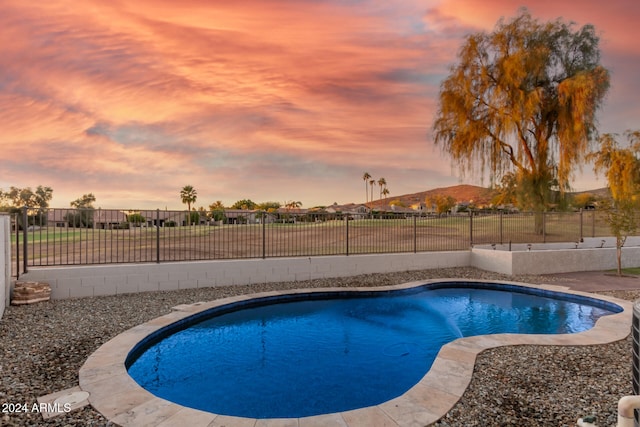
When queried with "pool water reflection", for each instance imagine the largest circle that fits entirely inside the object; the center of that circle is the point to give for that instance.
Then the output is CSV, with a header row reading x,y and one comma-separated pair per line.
x,y
333,352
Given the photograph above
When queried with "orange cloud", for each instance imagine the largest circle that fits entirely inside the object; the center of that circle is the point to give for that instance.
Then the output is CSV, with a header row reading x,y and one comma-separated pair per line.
x,y
251,98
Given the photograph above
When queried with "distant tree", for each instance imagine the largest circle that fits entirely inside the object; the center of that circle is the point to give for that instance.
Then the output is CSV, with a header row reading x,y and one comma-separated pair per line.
x,y
188,195
442,203
83,216
523,98
269,206
582,200
42,196
216,211
382,183
372,182
366,177
292,204
621,166
37,201
193,217
136,219
217,215
19,197
84,202
217,205
244,204
507,190
385,192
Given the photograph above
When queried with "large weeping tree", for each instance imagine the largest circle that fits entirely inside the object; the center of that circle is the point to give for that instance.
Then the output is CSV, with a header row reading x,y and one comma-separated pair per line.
x,y
523,99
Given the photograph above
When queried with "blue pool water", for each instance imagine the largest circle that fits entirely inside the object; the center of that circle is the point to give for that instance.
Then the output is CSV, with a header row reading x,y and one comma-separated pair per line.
x,y
332,352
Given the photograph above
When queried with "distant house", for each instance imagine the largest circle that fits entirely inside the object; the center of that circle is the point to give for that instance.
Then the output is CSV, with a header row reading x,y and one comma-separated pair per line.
x,y
355,211
509,208
58,217
104,219
107,219
289,214
292,211
461,207
160,218
173,218
242,216
402,210
419,207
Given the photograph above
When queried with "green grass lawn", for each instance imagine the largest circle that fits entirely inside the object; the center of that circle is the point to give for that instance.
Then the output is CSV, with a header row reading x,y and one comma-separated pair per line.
x,y
630,270
51,234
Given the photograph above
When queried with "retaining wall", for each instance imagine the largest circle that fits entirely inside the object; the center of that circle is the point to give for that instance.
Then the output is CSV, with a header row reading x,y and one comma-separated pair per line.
x,y
95,280
593,254
5,261
114,279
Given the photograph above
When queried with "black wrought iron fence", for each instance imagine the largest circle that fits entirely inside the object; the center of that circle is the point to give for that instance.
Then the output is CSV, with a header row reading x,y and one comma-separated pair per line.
x,y
53,237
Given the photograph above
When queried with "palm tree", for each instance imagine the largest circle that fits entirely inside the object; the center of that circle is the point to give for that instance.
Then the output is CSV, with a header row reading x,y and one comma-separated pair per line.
x,y
385,192
372,182
366,177
292,205
382,183
188,194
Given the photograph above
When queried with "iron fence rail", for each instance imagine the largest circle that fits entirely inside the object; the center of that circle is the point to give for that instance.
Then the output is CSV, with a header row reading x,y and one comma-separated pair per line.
x,y
56,237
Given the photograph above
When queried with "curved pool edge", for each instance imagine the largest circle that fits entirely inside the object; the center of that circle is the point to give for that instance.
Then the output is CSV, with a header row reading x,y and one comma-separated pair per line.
x,y
121,400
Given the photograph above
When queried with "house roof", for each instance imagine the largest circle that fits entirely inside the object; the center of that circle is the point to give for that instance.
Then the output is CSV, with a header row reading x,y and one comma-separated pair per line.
x,y
234,213
297,211
98,215
348,208
162,215
108,216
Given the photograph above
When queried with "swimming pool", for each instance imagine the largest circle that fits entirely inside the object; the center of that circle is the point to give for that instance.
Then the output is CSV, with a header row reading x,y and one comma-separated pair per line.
x,y
124,402
305,354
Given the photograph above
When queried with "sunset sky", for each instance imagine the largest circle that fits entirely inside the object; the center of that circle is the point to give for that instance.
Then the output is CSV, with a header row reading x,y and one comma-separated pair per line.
x,y
269,100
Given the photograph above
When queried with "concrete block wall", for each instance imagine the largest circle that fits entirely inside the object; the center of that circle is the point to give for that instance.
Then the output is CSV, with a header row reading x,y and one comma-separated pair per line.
x,y
114,279
96,280
5,262
492,260
587,243
568,260
550,261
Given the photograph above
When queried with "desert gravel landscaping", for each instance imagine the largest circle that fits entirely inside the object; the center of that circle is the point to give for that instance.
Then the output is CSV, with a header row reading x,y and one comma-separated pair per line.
x,y
42,347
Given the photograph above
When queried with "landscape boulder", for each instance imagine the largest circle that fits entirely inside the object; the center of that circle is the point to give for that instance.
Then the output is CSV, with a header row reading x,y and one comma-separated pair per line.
x,y
30,292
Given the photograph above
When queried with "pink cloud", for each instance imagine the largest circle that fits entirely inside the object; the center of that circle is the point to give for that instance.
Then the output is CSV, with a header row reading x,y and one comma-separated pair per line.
x,y
133,100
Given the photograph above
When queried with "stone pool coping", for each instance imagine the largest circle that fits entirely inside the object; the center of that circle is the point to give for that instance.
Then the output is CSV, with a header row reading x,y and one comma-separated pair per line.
x,y
121,400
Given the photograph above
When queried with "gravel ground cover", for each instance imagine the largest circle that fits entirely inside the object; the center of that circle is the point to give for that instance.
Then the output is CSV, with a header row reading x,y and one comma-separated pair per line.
x,y
42,347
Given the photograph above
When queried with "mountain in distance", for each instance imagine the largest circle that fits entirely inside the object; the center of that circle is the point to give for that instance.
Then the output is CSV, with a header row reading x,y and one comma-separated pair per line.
x,y
461,193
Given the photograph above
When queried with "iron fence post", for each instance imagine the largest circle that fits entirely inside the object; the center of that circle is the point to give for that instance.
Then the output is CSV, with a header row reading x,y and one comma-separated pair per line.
x,y
157,236
25,252
415,234
581,235
15,224
470,228
264,234
501,232
544,227
346,220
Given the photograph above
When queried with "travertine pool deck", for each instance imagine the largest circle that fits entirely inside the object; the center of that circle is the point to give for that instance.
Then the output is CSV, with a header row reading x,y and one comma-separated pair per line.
x,y
121,400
